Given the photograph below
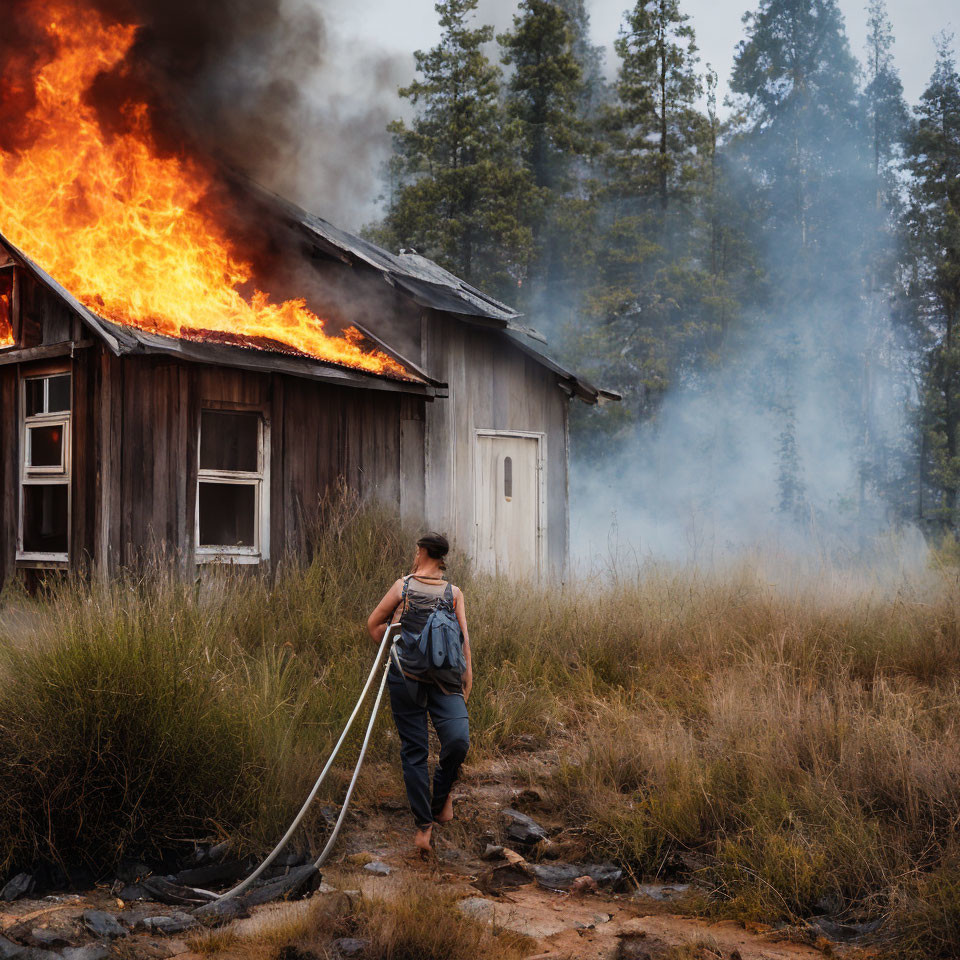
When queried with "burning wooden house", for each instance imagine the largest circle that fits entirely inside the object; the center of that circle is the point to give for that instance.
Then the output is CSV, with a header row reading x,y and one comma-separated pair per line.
x,y
152,395
115,441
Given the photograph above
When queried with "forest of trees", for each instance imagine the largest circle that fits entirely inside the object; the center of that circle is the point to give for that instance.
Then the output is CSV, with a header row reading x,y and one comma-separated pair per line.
x,y
804,239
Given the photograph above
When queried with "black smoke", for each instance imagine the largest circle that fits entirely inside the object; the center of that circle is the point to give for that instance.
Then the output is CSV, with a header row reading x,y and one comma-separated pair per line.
x,y
256,86
223,78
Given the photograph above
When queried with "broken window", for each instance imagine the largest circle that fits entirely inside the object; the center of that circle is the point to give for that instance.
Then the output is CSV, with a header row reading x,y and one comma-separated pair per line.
x,y
6,308
45,468
232,488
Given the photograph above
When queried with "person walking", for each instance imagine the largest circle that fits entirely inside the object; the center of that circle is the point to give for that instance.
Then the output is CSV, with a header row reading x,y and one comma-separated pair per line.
x,y
419,689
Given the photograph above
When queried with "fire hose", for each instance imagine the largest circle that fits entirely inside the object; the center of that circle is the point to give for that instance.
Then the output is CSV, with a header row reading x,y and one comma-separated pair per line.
x,y
389,640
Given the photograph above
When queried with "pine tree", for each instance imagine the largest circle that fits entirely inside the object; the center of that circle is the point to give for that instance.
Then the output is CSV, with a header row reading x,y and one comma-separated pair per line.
x,y
647,297
803,141
590,56
882,456
883,96
933,224
719,228
654,125
801,137
543,99
542,92
461,190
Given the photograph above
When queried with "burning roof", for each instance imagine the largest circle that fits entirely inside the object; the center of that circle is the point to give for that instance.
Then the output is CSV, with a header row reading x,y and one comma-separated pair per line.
x,y
134,235
138,241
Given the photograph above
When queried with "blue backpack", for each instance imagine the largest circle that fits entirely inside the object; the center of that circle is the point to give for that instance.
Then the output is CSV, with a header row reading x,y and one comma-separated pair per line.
x,y
437,649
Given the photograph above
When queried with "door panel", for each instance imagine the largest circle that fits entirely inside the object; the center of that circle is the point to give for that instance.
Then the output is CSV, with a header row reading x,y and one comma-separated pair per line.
x,y
508,505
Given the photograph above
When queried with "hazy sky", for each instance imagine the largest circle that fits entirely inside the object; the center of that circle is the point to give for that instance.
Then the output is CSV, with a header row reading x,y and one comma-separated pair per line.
x,y
371,44
399,26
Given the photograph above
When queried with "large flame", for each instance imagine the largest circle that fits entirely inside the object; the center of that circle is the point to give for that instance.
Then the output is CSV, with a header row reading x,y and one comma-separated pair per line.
x,y
121,228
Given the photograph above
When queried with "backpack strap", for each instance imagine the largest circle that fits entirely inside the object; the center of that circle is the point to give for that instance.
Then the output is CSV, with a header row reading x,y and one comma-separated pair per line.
x,y
448,595
403,599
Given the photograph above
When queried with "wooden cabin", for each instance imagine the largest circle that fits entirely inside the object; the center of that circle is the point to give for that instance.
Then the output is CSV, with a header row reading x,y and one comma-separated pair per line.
x,y
116,442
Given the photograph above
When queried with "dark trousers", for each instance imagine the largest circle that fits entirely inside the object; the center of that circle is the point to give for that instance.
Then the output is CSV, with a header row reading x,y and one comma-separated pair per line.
x,y
449,715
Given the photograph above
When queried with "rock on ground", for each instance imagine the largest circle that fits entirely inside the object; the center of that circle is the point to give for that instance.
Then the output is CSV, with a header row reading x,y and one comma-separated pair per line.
x,y
522,829
20,886
103,924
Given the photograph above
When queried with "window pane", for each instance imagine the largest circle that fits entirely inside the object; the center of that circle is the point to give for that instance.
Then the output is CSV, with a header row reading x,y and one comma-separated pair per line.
x,y
45,518
59,394
46,446
6,308
227,514
228,441
34,396
508,477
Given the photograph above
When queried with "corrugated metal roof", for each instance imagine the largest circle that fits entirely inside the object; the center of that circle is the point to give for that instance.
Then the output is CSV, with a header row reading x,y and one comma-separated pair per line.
x,y
432,286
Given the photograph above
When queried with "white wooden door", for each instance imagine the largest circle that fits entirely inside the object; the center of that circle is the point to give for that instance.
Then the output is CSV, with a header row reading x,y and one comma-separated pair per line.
x,y
508,494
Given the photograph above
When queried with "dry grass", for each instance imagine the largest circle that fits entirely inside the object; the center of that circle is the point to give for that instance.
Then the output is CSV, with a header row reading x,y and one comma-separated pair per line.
x,y
798,735
417,923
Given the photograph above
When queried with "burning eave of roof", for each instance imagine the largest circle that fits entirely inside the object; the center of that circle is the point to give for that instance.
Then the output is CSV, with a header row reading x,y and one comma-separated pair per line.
x,y
123,340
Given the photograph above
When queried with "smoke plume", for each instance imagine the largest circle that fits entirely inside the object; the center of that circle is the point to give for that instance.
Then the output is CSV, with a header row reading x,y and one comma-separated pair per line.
x,y
259,86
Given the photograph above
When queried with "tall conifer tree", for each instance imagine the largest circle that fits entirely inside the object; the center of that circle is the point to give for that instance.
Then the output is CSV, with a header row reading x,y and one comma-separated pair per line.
x,y
543,98
654,124
883,96
801,137
933,221
646,297
461,189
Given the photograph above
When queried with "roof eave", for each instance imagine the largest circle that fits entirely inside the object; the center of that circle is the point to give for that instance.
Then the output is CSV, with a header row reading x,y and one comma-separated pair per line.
x,y
575,385
121,340
260,361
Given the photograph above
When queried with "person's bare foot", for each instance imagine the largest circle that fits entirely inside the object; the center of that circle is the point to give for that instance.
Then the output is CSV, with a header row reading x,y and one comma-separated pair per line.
x,y
446,814
421,839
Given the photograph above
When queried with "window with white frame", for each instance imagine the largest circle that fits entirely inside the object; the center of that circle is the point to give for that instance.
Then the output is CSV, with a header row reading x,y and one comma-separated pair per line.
x,y
44,531
233,487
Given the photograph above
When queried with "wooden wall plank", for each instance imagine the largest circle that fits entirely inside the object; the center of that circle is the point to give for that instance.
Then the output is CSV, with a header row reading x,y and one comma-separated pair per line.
x,y
9,473
496,386
82,478
277,470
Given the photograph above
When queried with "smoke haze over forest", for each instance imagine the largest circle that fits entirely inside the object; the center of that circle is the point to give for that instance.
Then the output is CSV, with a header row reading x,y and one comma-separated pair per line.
x,y
783,395
749,237
766,281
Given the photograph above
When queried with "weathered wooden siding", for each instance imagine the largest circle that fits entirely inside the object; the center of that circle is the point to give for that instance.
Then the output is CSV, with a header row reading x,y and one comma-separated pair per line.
x,y
136,427
135,430
493,386
9,454
51,341
318,434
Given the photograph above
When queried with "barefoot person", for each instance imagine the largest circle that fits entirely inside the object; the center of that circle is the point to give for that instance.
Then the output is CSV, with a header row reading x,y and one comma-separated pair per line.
x,y
417,692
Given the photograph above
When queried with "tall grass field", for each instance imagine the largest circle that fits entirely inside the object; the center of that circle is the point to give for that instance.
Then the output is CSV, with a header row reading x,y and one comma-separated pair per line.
x,y
789,742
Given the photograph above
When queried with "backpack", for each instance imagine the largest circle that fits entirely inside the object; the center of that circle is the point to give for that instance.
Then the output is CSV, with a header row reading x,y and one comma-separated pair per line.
x,y
437,649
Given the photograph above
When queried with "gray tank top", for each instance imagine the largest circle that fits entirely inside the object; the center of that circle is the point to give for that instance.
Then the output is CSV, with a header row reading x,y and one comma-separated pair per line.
x,y
420,601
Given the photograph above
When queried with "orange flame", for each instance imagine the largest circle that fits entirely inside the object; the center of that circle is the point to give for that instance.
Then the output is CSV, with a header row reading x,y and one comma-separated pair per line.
x,y
120,227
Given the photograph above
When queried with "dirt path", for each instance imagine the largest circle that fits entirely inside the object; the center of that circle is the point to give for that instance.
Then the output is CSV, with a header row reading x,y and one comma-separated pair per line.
x,y
376,861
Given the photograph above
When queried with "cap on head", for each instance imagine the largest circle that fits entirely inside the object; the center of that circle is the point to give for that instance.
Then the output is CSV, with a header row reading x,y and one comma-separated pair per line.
x,y
435,544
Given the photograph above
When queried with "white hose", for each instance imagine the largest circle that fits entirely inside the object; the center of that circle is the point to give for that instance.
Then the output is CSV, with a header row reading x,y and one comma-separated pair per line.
x,y
240,887
322,859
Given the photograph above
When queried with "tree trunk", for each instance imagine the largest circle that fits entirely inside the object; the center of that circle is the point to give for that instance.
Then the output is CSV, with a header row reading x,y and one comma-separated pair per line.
x,y
663,112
